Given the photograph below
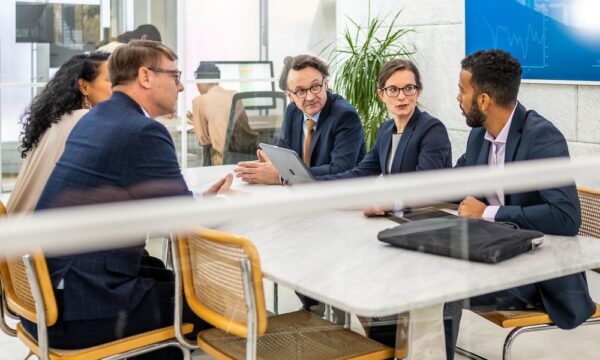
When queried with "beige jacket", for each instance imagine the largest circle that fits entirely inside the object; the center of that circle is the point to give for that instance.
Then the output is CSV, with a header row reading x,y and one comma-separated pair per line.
x,y
39,163
210,117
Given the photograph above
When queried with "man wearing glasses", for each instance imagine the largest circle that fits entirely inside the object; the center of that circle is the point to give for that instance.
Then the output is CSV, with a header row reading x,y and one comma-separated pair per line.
x,y
118,152
322,127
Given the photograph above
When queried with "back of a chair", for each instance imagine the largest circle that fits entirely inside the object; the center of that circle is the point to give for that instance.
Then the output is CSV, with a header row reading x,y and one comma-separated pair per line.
x,y
17,288
213,279
590,212
254,117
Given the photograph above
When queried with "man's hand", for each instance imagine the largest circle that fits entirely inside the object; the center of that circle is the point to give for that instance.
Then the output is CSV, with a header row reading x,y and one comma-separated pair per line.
x,y
260,171
378,210
471,208
220,187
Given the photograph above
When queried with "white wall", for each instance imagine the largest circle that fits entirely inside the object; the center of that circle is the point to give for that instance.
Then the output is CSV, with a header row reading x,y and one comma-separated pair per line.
x,y
439,39
15,66
229,30
299,27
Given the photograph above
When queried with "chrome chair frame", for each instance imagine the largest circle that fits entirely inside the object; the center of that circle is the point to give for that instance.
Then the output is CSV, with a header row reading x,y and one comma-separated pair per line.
x,y
514,333
251,315
6,312
178,313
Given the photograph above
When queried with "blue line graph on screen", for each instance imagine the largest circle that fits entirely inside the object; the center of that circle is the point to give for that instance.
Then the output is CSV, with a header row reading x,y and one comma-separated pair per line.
x,y
535,40
553,39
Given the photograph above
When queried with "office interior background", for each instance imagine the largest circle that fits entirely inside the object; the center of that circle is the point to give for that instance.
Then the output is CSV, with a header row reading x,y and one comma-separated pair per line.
x,y
239,30
263,30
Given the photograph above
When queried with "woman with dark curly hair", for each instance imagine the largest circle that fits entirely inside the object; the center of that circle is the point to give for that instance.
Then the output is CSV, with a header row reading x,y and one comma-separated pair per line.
x,y
77,86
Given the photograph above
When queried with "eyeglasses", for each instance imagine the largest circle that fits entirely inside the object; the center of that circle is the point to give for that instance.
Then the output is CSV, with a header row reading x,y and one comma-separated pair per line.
x,y
315,89
394,91
176,73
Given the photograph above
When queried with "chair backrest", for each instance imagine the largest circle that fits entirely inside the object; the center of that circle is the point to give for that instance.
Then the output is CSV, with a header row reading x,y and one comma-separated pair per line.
x,y
17,289
254,117
590,212
213,282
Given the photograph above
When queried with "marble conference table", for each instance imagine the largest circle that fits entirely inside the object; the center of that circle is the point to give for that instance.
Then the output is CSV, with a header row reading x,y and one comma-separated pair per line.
x,y
335,257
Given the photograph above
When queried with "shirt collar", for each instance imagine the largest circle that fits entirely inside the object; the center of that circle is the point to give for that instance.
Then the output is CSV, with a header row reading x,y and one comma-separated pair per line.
x,y
145,112
315,117
503,136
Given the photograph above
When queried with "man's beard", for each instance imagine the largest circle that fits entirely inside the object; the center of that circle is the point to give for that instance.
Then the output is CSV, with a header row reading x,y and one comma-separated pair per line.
x,y
475,118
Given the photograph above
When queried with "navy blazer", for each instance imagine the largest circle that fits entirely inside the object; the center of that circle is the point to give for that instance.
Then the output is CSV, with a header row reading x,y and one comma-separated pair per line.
x,y
114,153
552,211
424,145
338,143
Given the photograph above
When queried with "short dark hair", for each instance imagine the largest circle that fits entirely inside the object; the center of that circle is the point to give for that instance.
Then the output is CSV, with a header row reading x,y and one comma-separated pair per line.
x,y
300,62
125,37
207,70
287,63
390,67
126,60
149,30
496,73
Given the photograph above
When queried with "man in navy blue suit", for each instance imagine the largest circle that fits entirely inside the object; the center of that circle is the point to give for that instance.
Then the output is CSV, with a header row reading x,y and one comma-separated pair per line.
x,y
322,127
118,152
504,131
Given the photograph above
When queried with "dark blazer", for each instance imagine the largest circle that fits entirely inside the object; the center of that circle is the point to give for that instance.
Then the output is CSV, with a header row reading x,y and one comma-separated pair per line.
x,y
424,145
338,143
552,211
115,153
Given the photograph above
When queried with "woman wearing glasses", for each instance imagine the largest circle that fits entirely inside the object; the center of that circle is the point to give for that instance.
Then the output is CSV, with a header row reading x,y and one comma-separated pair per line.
x,y
412,140
77,86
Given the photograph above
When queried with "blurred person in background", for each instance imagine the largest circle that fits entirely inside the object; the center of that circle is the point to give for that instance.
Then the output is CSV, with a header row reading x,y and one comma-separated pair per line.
x,y
210,116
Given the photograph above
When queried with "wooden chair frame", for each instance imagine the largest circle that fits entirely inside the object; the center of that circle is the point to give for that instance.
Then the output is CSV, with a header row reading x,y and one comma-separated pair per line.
x,y
46,314
256,319
252,281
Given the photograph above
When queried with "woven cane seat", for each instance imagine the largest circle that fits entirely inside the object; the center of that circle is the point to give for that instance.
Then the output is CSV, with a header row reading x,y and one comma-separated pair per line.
x,y
297,335
510,319
590,213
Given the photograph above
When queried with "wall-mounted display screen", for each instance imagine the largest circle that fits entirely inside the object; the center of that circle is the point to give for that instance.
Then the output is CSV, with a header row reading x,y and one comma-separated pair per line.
x,y
555,40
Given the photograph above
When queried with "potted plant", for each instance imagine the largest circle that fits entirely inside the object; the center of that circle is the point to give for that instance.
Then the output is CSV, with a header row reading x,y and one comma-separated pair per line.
x,y
357,61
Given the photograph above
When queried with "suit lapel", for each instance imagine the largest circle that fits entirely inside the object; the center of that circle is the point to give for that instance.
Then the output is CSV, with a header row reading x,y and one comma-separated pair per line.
x,y
484,153
514,134
321,123
297,129
408,132
386,146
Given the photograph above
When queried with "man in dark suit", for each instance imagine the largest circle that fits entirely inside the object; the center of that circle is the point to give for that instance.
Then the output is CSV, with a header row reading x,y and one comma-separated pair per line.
x,y
117,152
504,131
322,127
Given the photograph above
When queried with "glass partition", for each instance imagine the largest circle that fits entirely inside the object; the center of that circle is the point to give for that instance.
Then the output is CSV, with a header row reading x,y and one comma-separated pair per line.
x,y
37,37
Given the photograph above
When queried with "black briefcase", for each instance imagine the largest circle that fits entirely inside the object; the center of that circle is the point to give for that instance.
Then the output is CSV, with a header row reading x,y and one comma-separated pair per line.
x,y
468,239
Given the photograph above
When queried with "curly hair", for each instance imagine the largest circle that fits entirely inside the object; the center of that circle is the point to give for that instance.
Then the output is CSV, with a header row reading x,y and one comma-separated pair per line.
x,y
60,96
496,73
